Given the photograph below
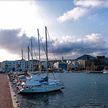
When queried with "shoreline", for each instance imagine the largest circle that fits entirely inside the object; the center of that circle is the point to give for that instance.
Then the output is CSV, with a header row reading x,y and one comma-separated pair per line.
x,y
13,95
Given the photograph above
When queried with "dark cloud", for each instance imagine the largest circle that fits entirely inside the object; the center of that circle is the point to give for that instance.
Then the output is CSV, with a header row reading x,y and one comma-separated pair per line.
x,y
90,44
11,41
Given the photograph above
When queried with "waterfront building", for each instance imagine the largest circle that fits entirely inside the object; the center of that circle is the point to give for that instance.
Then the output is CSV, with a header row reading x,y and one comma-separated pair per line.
x,y
14,66
32,65
101,63
44,65
86,62
62,65
73,65
7,66
19,65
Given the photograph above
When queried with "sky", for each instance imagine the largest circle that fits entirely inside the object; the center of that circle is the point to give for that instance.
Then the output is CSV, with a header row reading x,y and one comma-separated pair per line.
x,y
75,27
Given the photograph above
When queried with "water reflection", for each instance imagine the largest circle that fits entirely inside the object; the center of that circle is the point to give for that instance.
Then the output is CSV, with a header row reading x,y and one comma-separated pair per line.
x,y
40,100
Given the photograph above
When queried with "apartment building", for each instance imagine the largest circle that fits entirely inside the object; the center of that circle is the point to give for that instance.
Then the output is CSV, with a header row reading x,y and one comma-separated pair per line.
x,y
19,65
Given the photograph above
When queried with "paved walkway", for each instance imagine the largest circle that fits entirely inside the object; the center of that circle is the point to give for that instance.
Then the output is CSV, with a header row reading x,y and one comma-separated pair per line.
x,y
5,96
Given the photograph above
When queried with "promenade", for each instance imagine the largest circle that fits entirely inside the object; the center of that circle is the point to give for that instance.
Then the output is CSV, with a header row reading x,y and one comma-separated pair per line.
x,y
5,95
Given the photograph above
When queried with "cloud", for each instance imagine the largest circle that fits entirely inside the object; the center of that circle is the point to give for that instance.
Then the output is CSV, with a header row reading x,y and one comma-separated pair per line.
x,y
81,9
89,44
73,14
91,3
68,46
12,42
26,14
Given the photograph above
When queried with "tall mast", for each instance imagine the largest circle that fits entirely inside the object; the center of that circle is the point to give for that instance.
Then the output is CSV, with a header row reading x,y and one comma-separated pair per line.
x,y
31,50
22,53
39,49
46,50
31,55
28,50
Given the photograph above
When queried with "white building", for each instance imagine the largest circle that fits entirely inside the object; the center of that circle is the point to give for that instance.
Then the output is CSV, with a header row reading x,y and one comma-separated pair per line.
x,y
19,65
7,66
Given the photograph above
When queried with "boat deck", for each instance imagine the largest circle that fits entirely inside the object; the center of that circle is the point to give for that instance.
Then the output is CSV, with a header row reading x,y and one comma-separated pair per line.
x,y
5,95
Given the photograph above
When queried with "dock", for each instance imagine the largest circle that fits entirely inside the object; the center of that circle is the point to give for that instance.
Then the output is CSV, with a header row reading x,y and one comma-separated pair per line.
x,y
5,93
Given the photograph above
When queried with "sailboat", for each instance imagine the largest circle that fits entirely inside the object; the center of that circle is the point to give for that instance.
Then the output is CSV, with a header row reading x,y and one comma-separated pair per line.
x,y
39,84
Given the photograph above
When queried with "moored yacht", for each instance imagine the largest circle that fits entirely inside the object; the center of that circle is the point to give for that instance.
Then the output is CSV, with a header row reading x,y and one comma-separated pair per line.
x,y
41,84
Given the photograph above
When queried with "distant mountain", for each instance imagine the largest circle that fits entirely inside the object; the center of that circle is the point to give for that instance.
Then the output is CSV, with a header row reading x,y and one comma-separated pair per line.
x,y
86,57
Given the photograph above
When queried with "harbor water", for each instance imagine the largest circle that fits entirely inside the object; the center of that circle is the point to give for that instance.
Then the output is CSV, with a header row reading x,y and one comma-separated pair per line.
x,y
81,90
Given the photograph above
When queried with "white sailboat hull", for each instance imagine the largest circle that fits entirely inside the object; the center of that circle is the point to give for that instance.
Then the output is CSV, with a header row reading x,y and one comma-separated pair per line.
x,y
42,89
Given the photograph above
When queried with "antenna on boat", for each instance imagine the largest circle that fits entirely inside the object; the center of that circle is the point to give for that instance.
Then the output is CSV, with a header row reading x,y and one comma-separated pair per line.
x,y
46,50
39,49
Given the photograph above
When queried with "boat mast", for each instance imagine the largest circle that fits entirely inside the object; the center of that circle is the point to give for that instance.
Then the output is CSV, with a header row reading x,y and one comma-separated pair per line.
x,y
31,54
22,53
31,50
46,50
28,50
22,56
39,49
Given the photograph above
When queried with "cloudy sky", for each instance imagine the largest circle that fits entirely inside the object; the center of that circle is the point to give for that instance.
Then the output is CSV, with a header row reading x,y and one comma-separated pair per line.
x,y
75,27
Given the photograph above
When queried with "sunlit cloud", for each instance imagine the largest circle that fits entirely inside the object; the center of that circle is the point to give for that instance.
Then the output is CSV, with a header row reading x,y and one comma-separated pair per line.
x,y
91,3
27,15
81,9
73,14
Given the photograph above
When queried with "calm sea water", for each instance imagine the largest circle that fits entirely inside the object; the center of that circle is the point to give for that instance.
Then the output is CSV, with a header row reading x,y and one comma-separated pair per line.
x,y
81,90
